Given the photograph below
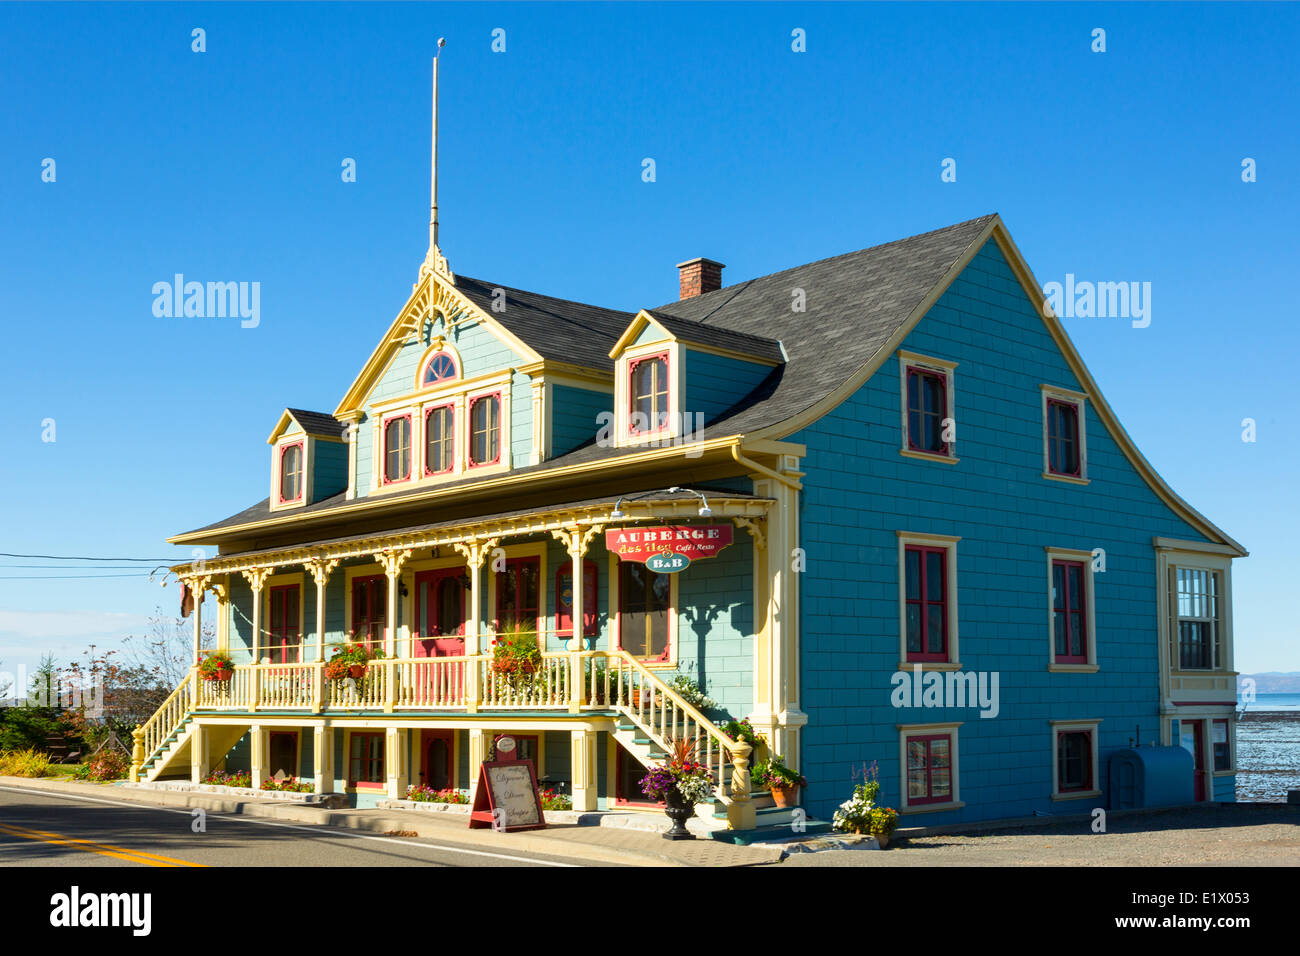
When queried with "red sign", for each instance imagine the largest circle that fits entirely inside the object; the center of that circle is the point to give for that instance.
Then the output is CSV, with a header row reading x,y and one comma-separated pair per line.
x,y
690,541
506,798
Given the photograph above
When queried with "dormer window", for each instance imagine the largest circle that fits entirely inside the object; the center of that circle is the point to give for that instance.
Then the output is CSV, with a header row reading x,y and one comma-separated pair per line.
x,y
649,394
485,429
397,448
441,367
291,473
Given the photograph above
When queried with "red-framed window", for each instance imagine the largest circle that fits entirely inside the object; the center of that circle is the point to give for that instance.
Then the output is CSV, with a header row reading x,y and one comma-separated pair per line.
x,y
439,439
1063,452
648,391
1069,612
564,600
929,769
369,610
284,641
366,760
397,448
282,753
926,592
927,407
1073,760
485,430
644,606
291,469
441,367
628,773
1222,746
519,595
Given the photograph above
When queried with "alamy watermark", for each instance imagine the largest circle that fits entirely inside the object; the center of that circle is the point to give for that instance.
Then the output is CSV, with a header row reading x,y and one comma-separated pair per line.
x,y
684,429
1101,300
956,689
211,300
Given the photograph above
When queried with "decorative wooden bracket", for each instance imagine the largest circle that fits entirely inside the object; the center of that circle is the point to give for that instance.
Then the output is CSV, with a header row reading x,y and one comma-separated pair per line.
x,y
393,560
320,569
475,552
757,528
256,577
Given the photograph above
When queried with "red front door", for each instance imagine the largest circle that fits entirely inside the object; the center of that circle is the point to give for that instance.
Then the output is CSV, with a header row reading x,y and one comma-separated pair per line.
x,y
436,747
1192,733
440,614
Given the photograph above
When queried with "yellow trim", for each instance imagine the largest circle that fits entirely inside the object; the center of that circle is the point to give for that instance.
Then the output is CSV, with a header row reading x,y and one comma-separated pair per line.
x,y
639,321
1048,392
928,456
432,295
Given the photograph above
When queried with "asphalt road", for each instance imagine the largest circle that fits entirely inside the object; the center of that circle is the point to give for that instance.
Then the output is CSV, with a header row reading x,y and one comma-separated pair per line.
x,y
39,828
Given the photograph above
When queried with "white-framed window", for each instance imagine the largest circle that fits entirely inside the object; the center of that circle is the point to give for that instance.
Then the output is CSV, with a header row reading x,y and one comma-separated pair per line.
x,y
649,392
1075,767
291,472
927,396
1071,617
1065,434
927,601
929,760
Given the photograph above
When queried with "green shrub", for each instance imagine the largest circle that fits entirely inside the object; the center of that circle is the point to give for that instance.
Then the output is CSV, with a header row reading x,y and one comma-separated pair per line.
x,y
24,763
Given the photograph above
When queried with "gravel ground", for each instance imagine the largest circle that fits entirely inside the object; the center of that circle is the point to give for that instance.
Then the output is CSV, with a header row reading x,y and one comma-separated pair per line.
x,y
1219,835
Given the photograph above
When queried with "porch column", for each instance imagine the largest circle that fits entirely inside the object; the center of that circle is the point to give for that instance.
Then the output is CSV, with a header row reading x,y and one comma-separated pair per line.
x,y
392,562
576,541
396,758
583,752
475,554
198,584
479,742
257,758
222,591
320,572
198,753
323,759
256,578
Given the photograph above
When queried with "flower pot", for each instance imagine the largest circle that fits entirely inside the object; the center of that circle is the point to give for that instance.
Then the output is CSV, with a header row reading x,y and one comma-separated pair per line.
x,y
678,811
357,670
783,796
882,839
224,675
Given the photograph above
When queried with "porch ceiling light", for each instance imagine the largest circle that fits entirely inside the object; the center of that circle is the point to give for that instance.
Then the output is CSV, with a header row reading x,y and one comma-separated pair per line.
x,y
705,510
618,512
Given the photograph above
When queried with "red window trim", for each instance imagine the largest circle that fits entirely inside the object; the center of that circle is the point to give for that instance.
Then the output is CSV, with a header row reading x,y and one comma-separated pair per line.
x,y
469,429
631,393
451,437
1087,757
383,449
1078,436
302,472
926,605
929,770
942,376
1069,658
590,613
512,568
357,582
367,784
271,623
424,370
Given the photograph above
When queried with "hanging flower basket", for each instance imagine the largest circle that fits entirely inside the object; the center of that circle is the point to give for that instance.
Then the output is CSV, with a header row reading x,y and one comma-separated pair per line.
x,y
357,670
217,666
350,660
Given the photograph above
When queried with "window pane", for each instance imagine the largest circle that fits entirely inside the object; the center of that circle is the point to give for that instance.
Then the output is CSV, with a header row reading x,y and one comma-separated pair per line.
x,y
913,563
934,576
934,631
914,628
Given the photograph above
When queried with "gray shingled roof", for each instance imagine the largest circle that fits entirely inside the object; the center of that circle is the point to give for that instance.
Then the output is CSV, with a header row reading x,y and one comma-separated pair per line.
x,y
855,302
698,333
318,423
557,328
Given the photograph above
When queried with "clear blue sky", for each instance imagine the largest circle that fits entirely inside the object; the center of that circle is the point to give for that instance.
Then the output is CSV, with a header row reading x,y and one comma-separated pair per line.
x,y
226,165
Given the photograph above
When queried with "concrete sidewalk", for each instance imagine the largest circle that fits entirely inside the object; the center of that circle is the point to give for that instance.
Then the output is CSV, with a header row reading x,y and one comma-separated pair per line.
x,y
584,845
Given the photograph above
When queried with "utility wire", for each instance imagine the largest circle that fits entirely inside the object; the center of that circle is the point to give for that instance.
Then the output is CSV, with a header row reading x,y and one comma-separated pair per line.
x,y
65,557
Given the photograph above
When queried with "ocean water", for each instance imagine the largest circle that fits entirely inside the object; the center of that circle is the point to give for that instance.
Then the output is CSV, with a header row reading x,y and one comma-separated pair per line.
x,y
1271,702
1268,749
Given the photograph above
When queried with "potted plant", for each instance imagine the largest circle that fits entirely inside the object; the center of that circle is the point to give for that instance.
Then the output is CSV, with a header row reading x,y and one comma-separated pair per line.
x,y
742,730
680,782
859,813
779,779
217,666
516,658
350,660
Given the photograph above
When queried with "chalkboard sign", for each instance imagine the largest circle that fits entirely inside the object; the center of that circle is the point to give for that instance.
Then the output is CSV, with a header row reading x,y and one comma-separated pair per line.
x,y
506,797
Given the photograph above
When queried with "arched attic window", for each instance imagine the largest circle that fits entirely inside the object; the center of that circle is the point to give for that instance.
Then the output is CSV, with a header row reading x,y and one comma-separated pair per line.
x,y
440,367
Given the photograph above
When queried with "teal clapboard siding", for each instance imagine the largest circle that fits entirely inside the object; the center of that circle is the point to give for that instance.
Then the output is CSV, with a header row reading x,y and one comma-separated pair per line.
x,y
329,467
859,491
714,383
575,416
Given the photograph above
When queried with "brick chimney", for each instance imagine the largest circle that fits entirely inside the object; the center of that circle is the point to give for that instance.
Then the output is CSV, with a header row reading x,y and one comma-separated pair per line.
x,y
698,276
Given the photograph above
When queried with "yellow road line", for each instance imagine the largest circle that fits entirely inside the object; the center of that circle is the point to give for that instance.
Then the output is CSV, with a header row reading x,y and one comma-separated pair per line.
x,y
103,849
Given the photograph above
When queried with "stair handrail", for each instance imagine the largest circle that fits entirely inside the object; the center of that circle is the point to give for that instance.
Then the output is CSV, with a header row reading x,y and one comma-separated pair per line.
x,y
737,750
153,732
